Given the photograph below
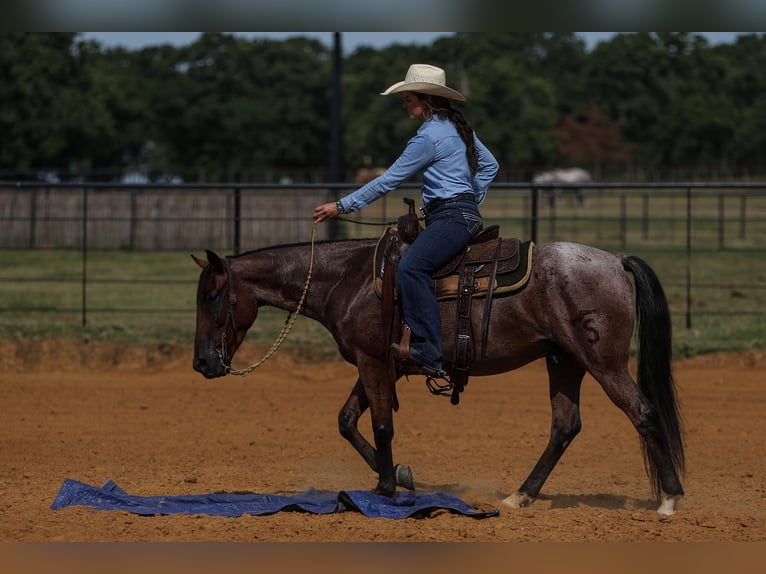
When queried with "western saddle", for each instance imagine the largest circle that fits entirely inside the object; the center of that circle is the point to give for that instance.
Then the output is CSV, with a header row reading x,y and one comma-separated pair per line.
x,y
489,266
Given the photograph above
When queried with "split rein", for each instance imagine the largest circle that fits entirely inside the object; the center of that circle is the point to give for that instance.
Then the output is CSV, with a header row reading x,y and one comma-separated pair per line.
x,y
291,318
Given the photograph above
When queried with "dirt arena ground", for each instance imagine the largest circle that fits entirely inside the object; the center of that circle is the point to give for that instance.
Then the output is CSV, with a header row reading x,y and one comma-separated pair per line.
x,y
140,416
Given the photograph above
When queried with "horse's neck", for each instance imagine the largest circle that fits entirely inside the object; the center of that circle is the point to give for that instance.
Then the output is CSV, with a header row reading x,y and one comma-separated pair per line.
x,y
273,276
278,276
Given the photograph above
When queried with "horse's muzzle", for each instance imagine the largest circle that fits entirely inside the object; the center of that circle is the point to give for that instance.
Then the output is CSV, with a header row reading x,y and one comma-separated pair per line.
x,y
209,364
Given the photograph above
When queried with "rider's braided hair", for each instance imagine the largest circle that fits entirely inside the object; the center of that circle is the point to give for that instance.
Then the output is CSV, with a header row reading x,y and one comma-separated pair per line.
x,y
442,107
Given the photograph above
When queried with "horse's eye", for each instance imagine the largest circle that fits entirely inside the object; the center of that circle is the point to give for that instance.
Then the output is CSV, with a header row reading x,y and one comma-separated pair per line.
x,y
214,296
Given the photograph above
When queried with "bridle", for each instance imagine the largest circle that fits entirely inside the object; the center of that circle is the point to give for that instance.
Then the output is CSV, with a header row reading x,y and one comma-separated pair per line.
x,y
231,317
231,295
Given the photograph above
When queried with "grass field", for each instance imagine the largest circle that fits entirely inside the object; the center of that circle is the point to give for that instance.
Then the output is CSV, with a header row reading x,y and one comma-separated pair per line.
x,y
149,297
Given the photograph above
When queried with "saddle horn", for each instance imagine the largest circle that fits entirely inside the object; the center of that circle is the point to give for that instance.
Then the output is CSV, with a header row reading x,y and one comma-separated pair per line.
x,y
407,225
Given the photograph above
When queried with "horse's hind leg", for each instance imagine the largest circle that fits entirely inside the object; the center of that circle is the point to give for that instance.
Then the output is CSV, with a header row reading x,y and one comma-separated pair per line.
x,y
348,420
565,380
624,393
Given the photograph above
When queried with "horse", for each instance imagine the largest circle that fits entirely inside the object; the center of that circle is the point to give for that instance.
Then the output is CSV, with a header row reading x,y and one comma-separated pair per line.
x,y
568,176
577,312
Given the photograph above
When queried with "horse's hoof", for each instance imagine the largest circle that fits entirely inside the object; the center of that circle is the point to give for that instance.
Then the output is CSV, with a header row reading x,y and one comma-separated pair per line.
x,y
389,492
404,477
518,500
668,504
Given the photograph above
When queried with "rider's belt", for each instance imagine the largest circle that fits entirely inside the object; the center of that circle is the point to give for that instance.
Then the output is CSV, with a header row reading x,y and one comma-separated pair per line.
x,y
432,205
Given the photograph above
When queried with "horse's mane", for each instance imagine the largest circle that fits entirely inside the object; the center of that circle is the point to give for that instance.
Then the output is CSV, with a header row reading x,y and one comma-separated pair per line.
x,y
301,244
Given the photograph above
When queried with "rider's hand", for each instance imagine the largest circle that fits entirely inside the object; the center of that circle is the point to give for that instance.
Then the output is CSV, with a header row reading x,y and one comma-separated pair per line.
x,y
325,211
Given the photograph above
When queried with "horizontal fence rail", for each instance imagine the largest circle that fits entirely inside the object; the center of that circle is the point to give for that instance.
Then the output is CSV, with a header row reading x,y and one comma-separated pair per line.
x,y
692,227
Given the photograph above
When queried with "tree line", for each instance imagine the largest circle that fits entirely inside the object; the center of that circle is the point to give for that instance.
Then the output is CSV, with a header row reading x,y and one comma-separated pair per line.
x,y
641,106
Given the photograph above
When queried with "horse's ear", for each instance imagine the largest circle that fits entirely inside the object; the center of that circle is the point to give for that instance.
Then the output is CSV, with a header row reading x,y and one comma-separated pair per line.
x,y
201,262
215,261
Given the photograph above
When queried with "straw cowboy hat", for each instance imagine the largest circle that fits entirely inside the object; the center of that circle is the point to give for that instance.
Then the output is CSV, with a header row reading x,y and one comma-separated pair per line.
x,y
425,79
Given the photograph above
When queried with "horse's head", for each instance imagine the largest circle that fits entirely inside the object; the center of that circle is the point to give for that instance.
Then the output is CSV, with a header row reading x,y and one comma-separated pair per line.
x,y
223,317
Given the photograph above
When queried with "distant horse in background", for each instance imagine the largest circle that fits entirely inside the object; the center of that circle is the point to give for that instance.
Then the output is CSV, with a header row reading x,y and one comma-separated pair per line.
x,y
568,176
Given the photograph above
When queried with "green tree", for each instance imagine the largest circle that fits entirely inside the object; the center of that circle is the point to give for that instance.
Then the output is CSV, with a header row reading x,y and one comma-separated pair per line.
x,y
50,116
376,128
622,79
238,106
125,133
226,107
745,88
512,101
666,93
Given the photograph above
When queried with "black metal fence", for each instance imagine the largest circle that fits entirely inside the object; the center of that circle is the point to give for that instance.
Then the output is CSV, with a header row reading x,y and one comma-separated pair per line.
x,y
685,220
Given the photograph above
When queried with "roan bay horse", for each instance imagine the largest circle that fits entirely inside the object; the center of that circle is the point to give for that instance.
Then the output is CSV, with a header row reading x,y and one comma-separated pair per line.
x,y
577,311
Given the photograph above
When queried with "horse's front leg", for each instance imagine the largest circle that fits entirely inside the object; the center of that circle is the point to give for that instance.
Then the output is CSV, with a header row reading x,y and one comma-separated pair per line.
x,y
348,420
383,433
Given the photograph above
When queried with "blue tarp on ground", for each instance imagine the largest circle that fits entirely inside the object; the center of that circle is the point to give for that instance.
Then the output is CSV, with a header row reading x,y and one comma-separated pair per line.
x,y
401,505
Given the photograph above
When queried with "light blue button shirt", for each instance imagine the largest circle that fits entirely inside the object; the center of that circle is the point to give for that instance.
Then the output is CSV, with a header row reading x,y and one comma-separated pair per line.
x,y
437,153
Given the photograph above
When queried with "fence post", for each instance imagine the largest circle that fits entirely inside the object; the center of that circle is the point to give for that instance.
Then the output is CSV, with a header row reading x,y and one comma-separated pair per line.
x,y
84,256
535,210
552,220
742,215
237,219
623,221
32,218
132,233
688,257
721,224
645,216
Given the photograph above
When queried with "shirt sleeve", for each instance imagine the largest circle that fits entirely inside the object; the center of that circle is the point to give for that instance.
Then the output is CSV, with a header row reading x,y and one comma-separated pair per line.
x,y
418,154
488,168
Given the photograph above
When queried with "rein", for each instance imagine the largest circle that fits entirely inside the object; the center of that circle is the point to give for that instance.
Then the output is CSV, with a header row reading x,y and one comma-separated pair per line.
x,y
361,222
289,322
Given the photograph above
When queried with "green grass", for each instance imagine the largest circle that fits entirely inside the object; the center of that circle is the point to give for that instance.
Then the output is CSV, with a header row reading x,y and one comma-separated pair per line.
x,y
714,334
134,297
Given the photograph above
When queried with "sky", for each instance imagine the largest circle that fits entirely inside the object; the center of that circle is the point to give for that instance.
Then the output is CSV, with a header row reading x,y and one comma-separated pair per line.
x,y
350,40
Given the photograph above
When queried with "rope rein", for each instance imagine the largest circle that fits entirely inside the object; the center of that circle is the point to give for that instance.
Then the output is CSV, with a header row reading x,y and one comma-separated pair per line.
x,y
289,322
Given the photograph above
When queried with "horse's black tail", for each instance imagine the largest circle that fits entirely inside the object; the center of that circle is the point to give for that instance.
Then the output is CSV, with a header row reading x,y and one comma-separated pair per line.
x,y
655,377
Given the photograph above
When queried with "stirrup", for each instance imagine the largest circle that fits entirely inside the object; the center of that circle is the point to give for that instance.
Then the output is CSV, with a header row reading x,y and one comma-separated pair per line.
x,y
438,388
405,357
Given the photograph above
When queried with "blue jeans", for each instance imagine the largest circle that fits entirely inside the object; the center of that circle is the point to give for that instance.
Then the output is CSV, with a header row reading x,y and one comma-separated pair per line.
x,y
449,229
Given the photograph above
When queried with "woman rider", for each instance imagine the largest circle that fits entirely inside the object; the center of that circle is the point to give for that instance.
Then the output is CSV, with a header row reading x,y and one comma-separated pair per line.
x,y
456,170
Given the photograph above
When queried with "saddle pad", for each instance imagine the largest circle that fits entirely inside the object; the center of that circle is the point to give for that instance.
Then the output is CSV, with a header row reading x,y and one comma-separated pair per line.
x,y
401,505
